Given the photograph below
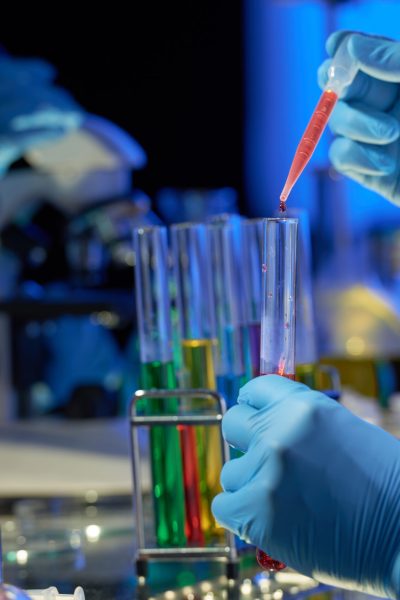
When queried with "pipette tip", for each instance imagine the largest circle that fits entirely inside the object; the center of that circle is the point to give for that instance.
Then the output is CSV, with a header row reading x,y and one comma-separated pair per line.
x,y
282,205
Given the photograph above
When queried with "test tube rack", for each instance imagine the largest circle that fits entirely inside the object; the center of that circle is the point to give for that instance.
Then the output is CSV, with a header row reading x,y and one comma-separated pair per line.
x,y
226,553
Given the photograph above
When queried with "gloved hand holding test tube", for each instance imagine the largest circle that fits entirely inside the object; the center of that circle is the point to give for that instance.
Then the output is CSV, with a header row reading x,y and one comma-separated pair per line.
x,y
341,73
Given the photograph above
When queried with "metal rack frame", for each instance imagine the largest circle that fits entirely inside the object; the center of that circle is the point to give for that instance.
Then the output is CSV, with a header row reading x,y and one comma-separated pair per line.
x,y
227,553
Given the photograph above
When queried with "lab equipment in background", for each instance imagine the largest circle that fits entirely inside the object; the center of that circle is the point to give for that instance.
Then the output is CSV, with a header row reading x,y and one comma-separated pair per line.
x,y
157,371
65,210
357,319
278,317
10,592
52,593
252,242
384,245
84,167
341,73
208,414
7,591
230,361
308,369
176,205
33,110
197,329
99,239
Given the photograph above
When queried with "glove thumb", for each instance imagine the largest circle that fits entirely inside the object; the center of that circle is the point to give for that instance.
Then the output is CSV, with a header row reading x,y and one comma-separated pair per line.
x,y
377,57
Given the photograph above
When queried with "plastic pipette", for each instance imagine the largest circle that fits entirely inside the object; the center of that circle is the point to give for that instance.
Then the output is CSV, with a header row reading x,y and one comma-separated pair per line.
x,y
341,73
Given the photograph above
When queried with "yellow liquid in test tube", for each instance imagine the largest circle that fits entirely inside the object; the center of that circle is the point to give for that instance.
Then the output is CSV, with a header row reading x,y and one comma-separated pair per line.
x,y
198,361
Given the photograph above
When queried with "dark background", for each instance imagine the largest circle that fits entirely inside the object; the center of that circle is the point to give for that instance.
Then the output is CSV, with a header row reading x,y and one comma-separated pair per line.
x,y
168,73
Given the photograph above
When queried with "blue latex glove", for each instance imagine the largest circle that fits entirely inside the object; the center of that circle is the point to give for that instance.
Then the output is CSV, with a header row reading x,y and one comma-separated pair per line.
x,y
367,118
32,109
317,487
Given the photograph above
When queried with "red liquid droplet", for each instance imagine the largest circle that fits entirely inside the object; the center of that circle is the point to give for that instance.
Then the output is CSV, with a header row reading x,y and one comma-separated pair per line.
x,y
282,206
268,563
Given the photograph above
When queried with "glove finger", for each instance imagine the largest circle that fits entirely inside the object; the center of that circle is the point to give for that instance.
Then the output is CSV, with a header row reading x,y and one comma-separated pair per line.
x,y
376,56
372,92
237,426
359,177
239,471
247,512
334,40
268,389
347,155
229,510
322,73
364,124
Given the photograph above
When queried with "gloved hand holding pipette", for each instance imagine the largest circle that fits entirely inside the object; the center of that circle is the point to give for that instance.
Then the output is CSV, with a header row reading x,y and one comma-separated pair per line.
x,y
367,117
317,487
339,75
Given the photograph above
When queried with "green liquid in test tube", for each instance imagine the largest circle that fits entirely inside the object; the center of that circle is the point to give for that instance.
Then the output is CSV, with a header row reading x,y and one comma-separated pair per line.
x,y
157,371
192,269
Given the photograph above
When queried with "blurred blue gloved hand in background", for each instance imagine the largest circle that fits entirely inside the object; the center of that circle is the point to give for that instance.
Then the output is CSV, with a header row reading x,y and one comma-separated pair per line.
x,y
317,487
367,118
32,109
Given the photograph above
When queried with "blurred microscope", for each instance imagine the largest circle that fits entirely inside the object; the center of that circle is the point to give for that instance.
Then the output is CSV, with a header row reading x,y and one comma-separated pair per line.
x,y
67,209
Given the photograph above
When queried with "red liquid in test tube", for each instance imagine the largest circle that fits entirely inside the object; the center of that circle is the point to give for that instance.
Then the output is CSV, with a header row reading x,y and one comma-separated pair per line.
x,y
193,529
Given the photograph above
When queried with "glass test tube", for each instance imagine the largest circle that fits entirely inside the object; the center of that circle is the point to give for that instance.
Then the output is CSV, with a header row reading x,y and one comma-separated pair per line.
x,y
230,363
306,347
277,351
192,265
278,313
252,235
157,371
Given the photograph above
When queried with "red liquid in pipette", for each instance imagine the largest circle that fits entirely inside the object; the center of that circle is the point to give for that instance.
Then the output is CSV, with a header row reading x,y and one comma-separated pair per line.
x,y
309,142
265,560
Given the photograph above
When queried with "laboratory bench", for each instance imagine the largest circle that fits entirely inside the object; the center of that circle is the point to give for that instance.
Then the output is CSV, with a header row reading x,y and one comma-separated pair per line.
x,y
66,518
70,542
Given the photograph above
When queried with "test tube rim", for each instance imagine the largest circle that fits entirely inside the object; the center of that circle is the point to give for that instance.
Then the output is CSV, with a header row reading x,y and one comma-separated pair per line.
x,y
281,219
148,228
253,221
187,225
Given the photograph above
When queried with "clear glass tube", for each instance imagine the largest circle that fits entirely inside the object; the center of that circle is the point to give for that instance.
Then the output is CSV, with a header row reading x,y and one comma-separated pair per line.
x,y
196,317
230,362
226,296
278,318
192,274
157,371
279,297
252,236
152,299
